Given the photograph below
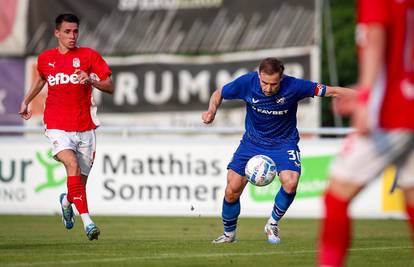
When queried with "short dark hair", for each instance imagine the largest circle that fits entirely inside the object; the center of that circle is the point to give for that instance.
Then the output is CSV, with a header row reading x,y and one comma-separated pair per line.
x,y
271,65
65,17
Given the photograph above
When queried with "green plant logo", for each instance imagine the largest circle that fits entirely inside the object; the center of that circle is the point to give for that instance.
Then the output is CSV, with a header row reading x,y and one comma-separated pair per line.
x,y
50,166
312,182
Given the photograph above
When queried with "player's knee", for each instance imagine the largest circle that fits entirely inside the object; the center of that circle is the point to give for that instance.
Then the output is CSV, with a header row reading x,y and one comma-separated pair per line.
x,y
231,196
72,165
231,199
290,186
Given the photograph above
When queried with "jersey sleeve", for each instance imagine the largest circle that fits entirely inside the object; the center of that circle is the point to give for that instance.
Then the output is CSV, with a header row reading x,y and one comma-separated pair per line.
x,y
236,89
99,66
305,88
374,13
39,65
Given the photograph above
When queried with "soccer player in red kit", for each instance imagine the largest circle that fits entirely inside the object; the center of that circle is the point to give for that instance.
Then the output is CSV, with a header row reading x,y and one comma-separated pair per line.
x,y
383,115
70,115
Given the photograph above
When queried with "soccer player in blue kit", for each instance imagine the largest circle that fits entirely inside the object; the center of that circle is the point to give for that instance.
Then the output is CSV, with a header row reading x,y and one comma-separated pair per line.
x,y
271,104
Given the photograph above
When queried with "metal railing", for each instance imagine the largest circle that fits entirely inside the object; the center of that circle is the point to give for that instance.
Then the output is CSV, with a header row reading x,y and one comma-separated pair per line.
x,y
127,131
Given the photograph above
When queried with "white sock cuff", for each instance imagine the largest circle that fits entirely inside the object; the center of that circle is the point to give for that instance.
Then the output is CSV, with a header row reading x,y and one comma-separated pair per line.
x,y
232,233
271,220
65,201
86,219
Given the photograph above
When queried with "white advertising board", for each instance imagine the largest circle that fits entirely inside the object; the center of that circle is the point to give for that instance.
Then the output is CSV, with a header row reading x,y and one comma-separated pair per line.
x,y
172,176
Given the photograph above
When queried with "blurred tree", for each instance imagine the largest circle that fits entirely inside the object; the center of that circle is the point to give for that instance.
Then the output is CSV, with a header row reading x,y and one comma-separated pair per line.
x,y
343,28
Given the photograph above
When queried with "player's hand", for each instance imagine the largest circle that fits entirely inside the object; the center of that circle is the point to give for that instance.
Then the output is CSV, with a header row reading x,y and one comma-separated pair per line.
x,y
345,105
83,77
24,111
208,117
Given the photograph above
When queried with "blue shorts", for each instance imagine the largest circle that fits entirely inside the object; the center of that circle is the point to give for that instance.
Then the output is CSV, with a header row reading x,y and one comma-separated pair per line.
x,y
286,157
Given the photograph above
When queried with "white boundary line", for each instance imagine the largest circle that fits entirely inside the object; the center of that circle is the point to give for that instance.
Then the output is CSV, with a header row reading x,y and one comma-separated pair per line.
x,y
181,256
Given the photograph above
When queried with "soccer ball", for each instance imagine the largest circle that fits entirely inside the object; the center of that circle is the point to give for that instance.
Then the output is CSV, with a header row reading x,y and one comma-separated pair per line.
x,y
260,170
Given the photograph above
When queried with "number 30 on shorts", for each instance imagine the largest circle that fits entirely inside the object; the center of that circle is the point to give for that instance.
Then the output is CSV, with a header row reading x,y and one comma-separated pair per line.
x,y
294,155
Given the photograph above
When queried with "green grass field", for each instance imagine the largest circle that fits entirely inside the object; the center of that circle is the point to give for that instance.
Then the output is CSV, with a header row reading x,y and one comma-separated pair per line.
x,y
172,241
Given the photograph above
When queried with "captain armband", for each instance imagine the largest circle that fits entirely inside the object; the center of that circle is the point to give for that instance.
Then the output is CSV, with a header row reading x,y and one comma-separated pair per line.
x,y
320,90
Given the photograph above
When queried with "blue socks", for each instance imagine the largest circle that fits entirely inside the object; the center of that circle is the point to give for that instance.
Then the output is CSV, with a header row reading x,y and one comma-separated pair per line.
x,y
282,203
230,214
231,211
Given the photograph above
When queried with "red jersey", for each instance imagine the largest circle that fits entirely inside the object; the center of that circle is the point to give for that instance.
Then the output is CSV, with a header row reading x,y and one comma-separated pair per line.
x,y
69,104
396,84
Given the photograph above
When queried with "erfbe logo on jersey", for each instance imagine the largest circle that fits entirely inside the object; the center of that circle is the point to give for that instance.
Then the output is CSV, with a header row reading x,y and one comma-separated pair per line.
x,y
62,78
76,62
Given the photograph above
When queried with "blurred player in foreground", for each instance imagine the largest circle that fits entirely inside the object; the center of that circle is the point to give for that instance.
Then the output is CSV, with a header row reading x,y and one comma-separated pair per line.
x,y
70,116
271,104
383,115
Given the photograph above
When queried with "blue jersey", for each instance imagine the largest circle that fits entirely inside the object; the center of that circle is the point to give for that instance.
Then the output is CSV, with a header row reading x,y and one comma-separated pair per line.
x,y
270,120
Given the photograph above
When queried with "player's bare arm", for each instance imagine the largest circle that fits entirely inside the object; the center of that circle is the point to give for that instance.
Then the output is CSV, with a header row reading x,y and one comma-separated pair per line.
x,y
372,40
371,62
337,91
343,99
215,101
34,90
106,85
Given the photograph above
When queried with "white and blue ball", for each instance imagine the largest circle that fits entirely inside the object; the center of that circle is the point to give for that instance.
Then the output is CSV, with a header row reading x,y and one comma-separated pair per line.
x,y
260,170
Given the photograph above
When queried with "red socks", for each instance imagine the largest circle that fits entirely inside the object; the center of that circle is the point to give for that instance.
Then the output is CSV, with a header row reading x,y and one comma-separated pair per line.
x,y
335,233
335,237
410,213
77,194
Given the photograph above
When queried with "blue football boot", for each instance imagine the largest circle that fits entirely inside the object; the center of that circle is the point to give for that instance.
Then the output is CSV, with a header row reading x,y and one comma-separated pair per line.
x,y
67,214
92,232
